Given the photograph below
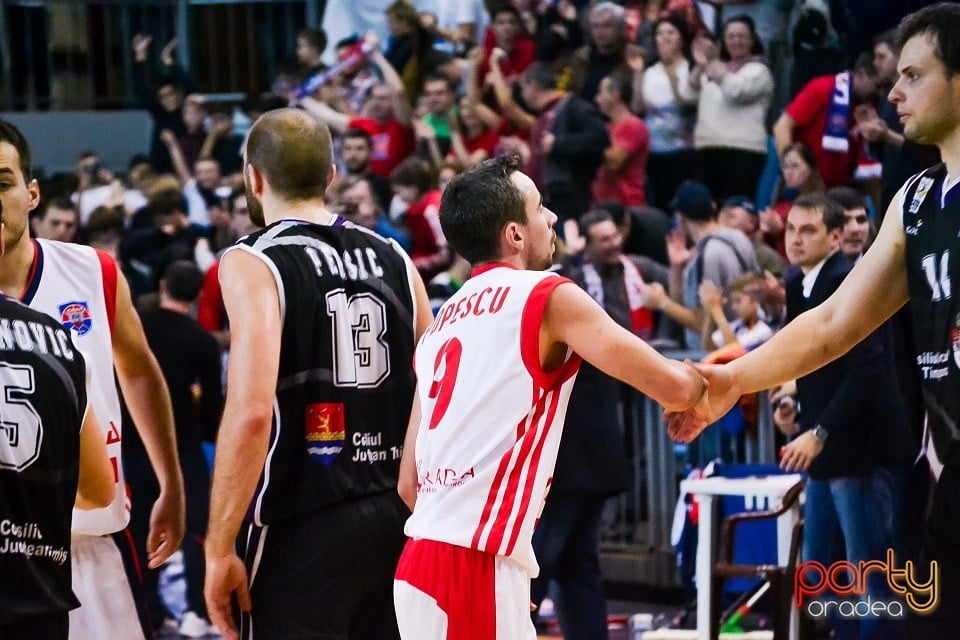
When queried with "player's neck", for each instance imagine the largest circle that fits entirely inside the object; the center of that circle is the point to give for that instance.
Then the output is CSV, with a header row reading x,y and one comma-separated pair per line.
x,y
16,263
313,211
950,153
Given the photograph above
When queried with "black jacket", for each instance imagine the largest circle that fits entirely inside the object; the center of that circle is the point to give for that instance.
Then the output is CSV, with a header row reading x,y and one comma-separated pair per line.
x,y
848,397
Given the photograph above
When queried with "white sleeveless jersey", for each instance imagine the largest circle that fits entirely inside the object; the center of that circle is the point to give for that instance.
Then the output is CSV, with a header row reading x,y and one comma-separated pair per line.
x,y
491,417
77,285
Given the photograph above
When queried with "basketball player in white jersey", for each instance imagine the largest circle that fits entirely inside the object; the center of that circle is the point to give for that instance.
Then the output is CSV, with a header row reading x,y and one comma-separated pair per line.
x,y
83,290
494,372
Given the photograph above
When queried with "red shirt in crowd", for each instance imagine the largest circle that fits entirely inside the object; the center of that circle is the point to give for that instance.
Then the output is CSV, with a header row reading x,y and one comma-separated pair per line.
x,y
430,253
626,185
809,110
392,143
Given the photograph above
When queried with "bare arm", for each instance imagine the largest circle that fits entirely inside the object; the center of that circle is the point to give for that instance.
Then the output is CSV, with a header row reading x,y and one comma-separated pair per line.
x,y
573,318
338,122
176,157
401,109
95,488
148,400
407,482
870,294
783,132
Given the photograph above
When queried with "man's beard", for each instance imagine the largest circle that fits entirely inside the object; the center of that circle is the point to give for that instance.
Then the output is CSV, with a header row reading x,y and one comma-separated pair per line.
x,y
254,208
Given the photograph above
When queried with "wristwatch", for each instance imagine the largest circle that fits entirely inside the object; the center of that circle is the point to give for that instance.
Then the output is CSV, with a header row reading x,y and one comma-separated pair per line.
x,y
820,433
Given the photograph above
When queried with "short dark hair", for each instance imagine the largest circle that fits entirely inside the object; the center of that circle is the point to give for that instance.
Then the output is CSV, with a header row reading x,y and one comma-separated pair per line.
x,y
358,133
316,38
60,202
941,23
829,208
848,198
591,218
168,201
183,280
864,62
504,7
621,85
477,204
413,172
436,76
9,133
889,38
540,74
293,151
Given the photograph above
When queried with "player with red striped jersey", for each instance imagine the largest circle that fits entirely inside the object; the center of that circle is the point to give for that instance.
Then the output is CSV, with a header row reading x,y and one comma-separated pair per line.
x,y
494,371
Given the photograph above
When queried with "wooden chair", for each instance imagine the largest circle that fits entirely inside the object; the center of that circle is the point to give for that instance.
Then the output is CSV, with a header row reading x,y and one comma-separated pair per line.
x,y
780,577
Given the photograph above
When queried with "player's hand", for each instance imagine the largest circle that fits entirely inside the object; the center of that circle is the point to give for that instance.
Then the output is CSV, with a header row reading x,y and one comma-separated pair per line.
x,y
224,576
167,525
799,453
723,393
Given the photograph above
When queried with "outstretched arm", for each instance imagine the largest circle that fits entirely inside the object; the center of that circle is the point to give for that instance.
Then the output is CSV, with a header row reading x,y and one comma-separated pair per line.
x,y
870,294
574,319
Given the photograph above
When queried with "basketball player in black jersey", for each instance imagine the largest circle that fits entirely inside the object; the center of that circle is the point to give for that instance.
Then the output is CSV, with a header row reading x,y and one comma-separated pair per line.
x,y
915,260
323,321
48,463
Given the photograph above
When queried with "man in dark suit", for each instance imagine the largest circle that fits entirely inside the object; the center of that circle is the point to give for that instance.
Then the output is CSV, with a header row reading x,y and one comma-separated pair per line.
x,y
843,430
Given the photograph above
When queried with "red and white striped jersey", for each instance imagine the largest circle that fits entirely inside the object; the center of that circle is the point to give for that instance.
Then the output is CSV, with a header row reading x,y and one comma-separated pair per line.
x,y
492,418
77,286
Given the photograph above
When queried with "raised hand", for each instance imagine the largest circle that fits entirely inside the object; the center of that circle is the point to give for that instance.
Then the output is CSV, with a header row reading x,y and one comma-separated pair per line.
x,y
166,56
677,251
141,45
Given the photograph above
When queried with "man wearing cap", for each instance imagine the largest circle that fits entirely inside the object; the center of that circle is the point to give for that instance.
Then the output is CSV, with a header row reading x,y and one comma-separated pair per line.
x,y
739,212
719,254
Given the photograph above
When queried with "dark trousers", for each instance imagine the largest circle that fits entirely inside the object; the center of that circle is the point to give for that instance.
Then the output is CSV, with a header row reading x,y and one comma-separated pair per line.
x,y
665,172
196,482
730,172
566,543
49,626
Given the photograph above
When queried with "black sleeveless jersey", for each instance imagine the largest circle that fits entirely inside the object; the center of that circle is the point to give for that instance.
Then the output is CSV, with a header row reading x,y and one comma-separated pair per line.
x,y
933,269
42,405
346,381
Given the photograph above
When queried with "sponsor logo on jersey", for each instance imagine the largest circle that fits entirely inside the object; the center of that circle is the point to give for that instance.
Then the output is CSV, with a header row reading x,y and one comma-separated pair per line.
x,y
76,316
324,431
923,188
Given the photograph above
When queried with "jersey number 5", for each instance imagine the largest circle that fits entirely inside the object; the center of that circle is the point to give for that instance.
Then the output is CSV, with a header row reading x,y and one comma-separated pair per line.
x,y
444,378
21,430
361,358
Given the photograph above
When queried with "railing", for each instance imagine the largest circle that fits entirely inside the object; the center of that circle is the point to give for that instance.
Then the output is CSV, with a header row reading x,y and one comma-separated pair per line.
x,y
75,55
635,543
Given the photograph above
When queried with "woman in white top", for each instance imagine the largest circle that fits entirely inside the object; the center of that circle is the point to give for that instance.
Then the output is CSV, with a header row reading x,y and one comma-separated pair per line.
x,y
667,111
734,93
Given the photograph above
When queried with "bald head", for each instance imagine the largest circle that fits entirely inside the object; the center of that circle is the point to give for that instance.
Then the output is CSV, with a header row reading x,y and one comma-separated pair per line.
x,y
293,152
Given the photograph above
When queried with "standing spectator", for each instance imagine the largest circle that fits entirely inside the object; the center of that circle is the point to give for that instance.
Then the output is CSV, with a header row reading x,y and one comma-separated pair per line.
x,y
605,54
162,96
356,150
821,117
734,91
856,234
739,212
57,460
311,43
304,296
591,464
190,361
409,47
566,145
433,130
667,111
57,221
413,184
621,176
507,35
387,118
841,433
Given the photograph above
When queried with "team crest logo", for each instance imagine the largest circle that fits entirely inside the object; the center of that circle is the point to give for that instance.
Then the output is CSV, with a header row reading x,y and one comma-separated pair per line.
x,y
324,431
76,316
923,188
